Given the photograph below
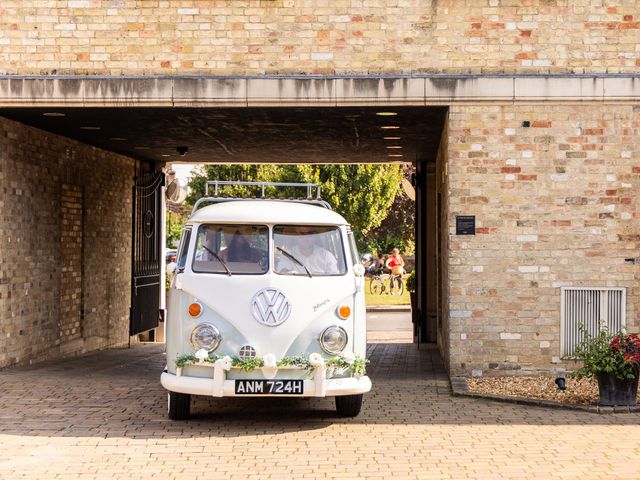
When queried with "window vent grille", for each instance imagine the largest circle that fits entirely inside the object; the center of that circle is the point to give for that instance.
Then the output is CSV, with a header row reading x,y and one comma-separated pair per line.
x,y
589,306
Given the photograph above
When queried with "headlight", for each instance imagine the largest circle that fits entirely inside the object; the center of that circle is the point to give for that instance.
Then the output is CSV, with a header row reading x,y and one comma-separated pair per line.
x,y
333,339
205,336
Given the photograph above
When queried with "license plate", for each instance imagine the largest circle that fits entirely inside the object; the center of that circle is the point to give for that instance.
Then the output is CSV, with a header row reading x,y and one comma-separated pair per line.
x,y
269,387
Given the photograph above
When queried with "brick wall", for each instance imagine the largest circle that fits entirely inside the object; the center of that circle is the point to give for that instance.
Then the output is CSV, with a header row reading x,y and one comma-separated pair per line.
x,y
64,246
70,263
556,204
318,36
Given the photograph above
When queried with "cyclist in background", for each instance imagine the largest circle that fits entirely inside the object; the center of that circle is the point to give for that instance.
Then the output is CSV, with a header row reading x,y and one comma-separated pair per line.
x,y
380,264
395,262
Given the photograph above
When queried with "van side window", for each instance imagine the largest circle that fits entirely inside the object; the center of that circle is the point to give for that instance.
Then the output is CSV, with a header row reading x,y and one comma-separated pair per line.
x,y
184,248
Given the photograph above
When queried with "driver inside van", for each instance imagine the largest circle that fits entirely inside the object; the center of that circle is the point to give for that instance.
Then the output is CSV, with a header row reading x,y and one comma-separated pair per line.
x,y
306,249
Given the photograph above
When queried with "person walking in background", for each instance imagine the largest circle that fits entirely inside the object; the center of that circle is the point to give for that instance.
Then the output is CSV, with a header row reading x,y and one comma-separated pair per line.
x,y
395,262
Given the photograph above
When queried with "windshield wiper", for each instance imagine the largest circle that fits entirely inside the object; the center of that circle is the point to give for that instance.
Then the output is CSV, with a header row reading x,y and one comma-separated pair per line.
x,y
295,260
217,257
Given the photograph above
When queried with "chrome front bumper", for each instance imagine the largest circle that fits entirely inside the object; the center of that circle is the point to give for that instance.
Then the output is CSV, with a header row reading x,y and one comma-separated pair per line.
x,y
219,386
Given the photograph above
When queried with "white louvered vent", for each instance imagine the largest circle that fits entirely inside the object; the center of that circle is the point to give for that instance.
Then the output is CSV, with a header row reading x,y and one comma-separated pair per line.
x,y
589,306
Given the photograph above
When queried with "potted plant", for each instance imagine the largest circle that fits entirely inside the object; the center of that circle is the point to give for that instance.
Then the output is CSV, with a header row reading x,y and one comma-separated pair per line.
x,y
410,283
614,359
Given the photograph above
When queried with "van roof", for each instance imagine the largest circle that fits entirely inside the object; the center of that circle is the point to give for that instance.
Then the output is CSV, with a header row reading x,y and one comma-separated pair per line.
x,y
267,211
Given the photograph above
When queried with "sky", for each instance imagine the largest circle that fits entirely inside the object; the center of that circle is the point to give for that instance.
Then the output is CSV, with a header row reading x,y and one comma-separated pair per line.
x,y
183,171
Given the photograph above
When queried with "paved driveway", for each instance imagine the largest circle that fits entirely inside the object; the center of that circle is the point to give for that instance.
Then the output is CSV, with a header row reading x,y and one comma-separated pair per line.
x,y
103,416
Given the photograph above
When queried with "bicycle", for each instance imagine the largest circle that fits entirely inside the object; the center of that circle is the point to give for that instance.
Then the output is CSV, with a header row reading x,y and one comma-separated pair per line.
x,y
396,285
378,285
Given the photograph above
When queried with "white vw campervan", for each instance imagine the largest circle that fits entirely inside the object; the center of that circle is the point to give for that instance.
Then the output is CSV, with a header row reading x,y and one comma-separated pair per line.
x,y
266,298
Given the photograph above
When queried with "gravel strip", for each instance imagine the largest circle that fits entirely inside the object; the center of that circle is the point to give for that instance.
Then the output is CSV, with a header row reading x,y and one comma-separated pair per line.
x,y
579,391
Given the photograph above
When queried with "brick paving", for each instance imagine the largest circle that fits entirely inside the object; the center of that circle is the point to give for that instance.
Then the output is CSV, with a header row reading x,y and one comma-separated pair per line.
x,y
103,416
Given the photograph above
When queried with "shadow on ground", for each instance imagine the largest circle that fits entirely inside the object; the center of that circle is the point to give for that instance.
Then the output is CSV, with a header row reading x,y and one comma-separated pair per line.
x,y
117,393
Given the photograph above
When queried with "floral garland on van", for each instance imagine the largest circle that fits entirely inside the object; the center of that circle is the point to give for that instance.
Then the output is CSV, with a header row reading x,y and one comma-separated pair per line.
x,y
347,362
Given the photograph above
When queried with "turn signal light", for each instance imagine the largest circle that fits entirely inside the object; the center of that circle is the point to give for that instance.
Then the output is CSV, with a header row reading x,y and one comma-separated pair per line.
x,y
344,311
195,309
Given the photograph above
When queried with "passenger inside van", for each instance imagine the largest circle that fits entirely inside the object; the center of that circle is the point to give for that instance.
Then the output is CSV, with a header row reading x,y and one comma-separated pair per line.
x,y
238,248
232,249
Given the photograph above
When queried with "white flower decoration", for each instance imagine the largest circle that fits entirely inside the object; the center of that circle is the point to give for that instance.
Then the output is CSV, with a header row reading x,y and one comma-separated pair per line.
x,y
269,360
349,357
202,355
316,360
224,362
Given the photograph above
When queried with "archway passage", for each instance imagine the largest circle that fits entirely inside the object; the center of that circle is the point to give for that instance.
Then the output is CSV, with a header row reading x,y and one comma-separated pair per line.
x,y
151,137
249,135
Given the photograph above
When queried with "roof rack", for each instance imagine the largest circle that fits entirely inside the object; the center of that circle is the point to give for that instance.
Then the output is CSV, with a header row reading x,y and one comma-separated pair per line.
x,y
262,185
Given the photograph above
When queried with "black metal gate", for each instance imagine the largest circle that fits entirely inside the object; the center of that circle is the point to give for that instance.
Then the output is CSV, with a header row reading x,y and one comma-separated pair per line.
x,y
146,252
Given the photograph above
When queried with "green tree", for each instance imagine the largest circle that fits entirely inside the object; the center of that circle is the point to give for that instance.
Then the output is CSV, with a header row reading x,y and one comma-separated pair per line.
x,y
397,230
246,173
175,223
363,194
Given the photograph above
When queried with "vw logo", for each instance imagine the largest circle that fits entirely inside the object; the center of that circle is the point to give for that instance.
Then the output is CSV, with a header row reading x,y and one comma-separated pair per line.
x,y
270,307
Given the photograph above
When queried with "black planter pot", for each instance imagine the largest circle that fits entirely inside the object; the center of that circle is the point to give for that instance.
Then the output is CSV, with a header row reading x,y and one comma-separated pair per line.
x,y
617,392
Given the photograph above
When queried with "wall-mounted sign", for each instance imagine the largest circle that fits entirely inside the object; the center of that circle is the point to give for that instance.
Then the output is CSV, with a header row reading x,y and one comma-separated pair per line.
x,y
465,225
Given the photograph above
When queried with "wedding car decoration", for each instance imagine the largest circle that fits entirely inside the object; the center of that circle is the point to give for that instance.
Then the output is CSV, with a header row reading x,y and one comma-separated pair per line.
x,y
266,298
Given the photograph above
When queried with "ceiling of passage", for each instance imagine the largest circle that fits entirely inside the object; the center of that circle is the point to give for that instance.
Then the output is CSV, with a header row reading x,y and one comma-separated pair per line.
x,y
250,134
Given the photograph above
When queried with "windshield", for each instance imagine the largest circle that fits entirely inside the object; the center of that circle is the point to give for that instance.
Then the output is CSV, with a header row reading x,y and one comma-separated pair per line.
x,y
308,250
232,249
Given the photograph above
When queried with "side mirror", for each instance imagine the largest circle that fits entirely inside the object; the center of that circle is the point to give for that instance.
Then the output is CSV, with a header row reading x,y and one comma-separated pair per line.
x,y
358,270
172,267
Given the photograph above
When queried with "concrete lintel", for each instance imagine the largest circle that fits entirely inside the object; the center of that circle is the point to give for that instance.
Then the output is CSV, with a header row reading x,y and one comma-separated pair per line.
x,y
42,91
194,91
389,91
478,89
559,89
144,91
290,91
622,88
208,91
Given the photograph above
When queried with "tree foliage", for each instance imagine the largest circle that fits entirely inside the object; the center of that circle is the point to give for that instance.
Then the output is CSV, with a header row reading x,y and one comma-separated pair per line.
x,y
397,230
363,194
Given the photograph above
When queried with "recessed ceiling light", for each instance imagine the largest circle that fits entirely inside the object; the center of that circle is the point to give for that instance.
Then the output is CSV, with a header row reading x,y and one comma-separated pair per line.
x,y
390,127
54,114
165,155
391,138
393,146
141,148
386,114
118,139
89,128
394,155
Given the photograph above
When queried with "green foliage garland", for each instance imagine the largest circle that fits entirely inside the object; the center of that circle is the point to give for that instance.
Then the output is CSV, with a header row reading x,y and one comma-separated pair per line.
x,y
357,369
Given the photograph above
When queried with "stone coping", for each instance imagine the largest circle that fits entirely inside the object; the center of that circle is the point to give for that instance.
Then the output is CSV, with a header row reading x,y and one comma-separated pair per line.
x,y
459,387
337,91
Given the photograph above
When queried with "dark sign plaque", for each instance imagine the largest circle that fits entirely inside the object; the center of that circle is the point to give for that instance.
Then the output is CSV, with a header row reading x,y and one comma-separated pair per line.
x,y
465,225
